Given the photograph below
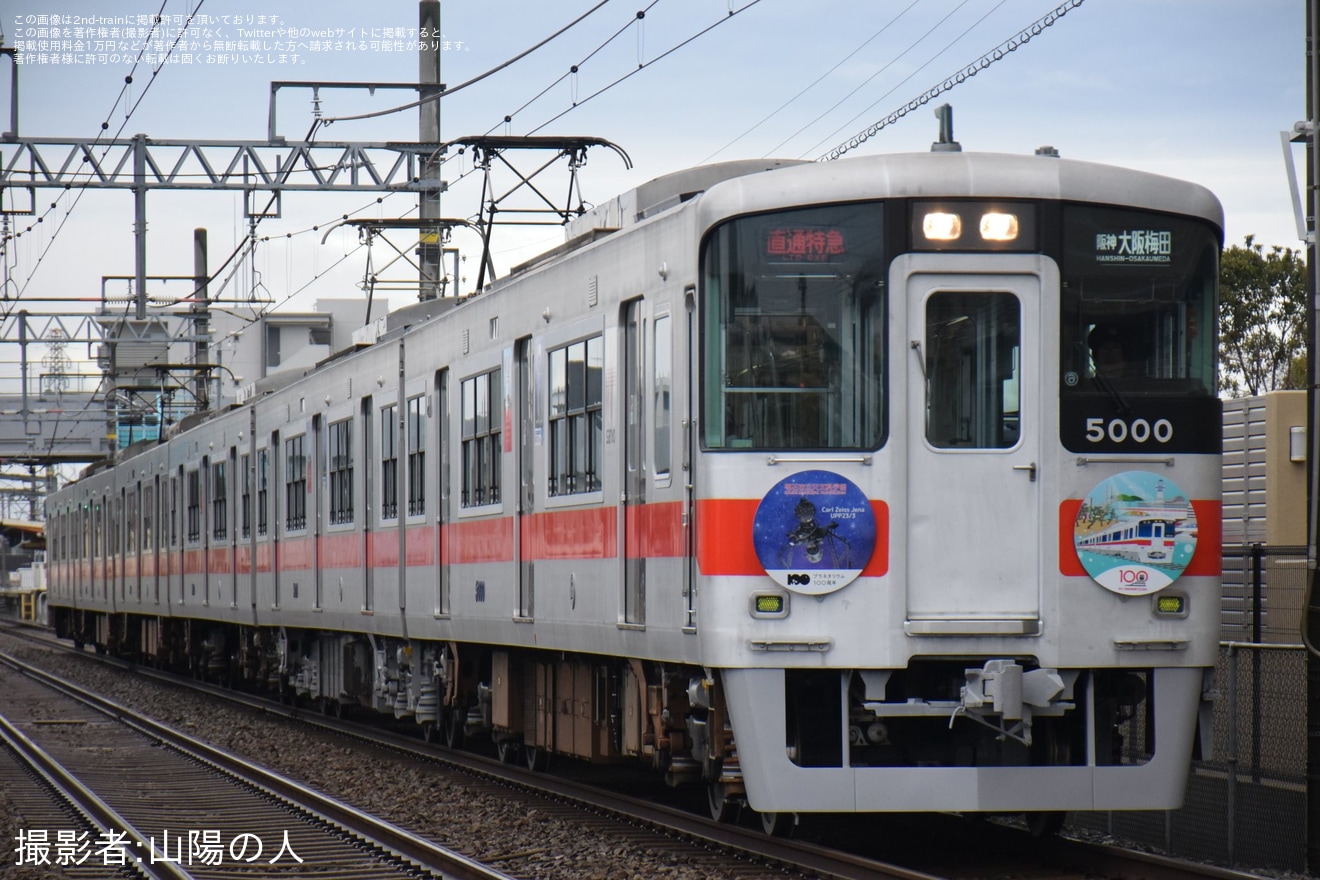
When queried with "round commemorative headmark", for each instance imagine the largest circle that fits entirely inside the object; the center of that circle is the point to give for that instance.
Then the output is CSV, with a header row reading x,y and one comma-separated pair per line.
x,y
1135,533
814,532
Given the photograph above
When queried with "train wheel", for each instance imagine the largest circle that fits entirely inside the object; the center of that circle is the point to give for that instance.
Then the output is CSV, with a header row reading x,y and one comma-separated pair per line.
x,y
1046,823
537,758
722,807
429,732
1054,749
778,824
507,749
453,720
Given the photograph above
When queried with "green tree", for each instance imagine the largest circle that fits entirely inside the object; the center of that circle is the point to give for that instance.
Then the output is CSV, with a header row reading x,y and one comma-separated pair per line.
x,y
1262,319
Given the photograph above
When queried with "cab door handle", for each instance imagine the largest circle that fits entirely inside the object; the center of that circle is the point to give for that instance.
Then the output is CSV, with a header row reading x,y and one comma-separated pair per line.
x,y
1029,468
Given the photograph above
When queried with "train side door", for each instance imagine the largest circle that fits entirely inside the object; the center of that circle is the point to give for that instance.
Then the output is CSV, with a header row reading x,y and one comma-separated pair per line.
x,y
156,510
116,554
370,422
519,406
974,440
689,434
634,477
176,546
133,548
318,476
442,515
234,516
204,517
278,512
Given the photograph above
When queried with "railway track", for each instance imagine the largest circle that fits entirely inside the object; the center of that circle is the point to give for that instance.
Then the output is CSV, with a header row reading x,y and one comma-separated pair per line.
x,y
188,810
838,847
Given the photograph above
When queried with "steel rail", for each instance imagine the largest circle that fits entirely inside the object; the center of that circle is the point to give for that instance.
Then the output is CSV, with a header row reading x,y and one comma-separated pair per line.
x,y
384,836
97,812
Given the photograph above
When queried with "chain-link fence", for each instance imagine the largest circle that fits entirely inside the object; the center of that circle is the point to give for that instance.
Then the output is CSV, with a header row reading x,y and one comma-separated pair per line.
x,y
1246,806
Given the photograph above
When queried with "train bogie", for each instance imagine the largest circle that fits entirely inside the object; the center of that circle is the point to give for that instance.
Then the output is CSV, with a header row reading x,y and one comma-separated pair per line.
x,y
820,485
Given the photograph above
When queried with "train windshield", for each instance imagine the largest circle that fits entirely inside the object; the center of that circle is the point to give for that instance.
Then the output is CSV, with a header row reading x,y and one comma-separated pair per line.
x,y
1139,300
793,330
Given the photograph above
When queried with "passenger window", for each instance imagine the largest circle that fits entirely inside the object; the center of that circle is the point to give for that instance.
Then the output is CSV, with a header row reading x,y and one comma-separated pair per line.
x,y
664,369
972,356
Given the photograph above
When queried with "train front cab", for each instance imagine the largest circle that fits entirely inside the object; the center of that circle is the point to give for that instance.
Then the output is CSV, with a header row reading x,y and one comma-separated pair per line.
x,y
930,636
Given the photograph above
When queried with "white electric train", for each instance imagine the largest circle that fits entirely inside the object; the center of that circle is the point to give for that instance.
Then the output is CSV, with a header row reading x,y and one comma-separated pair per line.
x,y
776,477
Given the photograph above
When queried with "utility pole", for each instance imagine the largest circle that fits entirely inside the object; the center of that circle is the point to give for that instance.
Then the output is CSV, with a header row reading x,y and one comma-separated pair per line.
x,y
140,223
428,133
23,365
201,320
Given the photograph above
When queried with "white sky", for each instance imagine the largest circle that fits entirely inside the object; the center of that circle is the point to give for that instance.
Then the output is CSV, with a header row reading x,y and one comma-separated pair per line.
x,y
1198,90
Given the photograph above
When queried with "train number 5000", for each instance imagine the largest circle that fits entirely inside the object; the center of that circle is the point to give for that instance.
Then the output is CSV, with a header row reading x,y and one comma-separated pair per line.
x,y
1118,430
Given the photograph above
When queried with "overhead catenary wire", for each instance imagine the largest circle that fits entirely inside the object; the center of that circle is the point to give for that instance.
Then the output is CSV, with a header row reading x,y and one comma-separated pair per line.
x,y
77,416
128,114
892,62
327,120
643,66
319,122
476,79
7,306
1012,44
573,70
247,242
845,59
637,17
241,252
